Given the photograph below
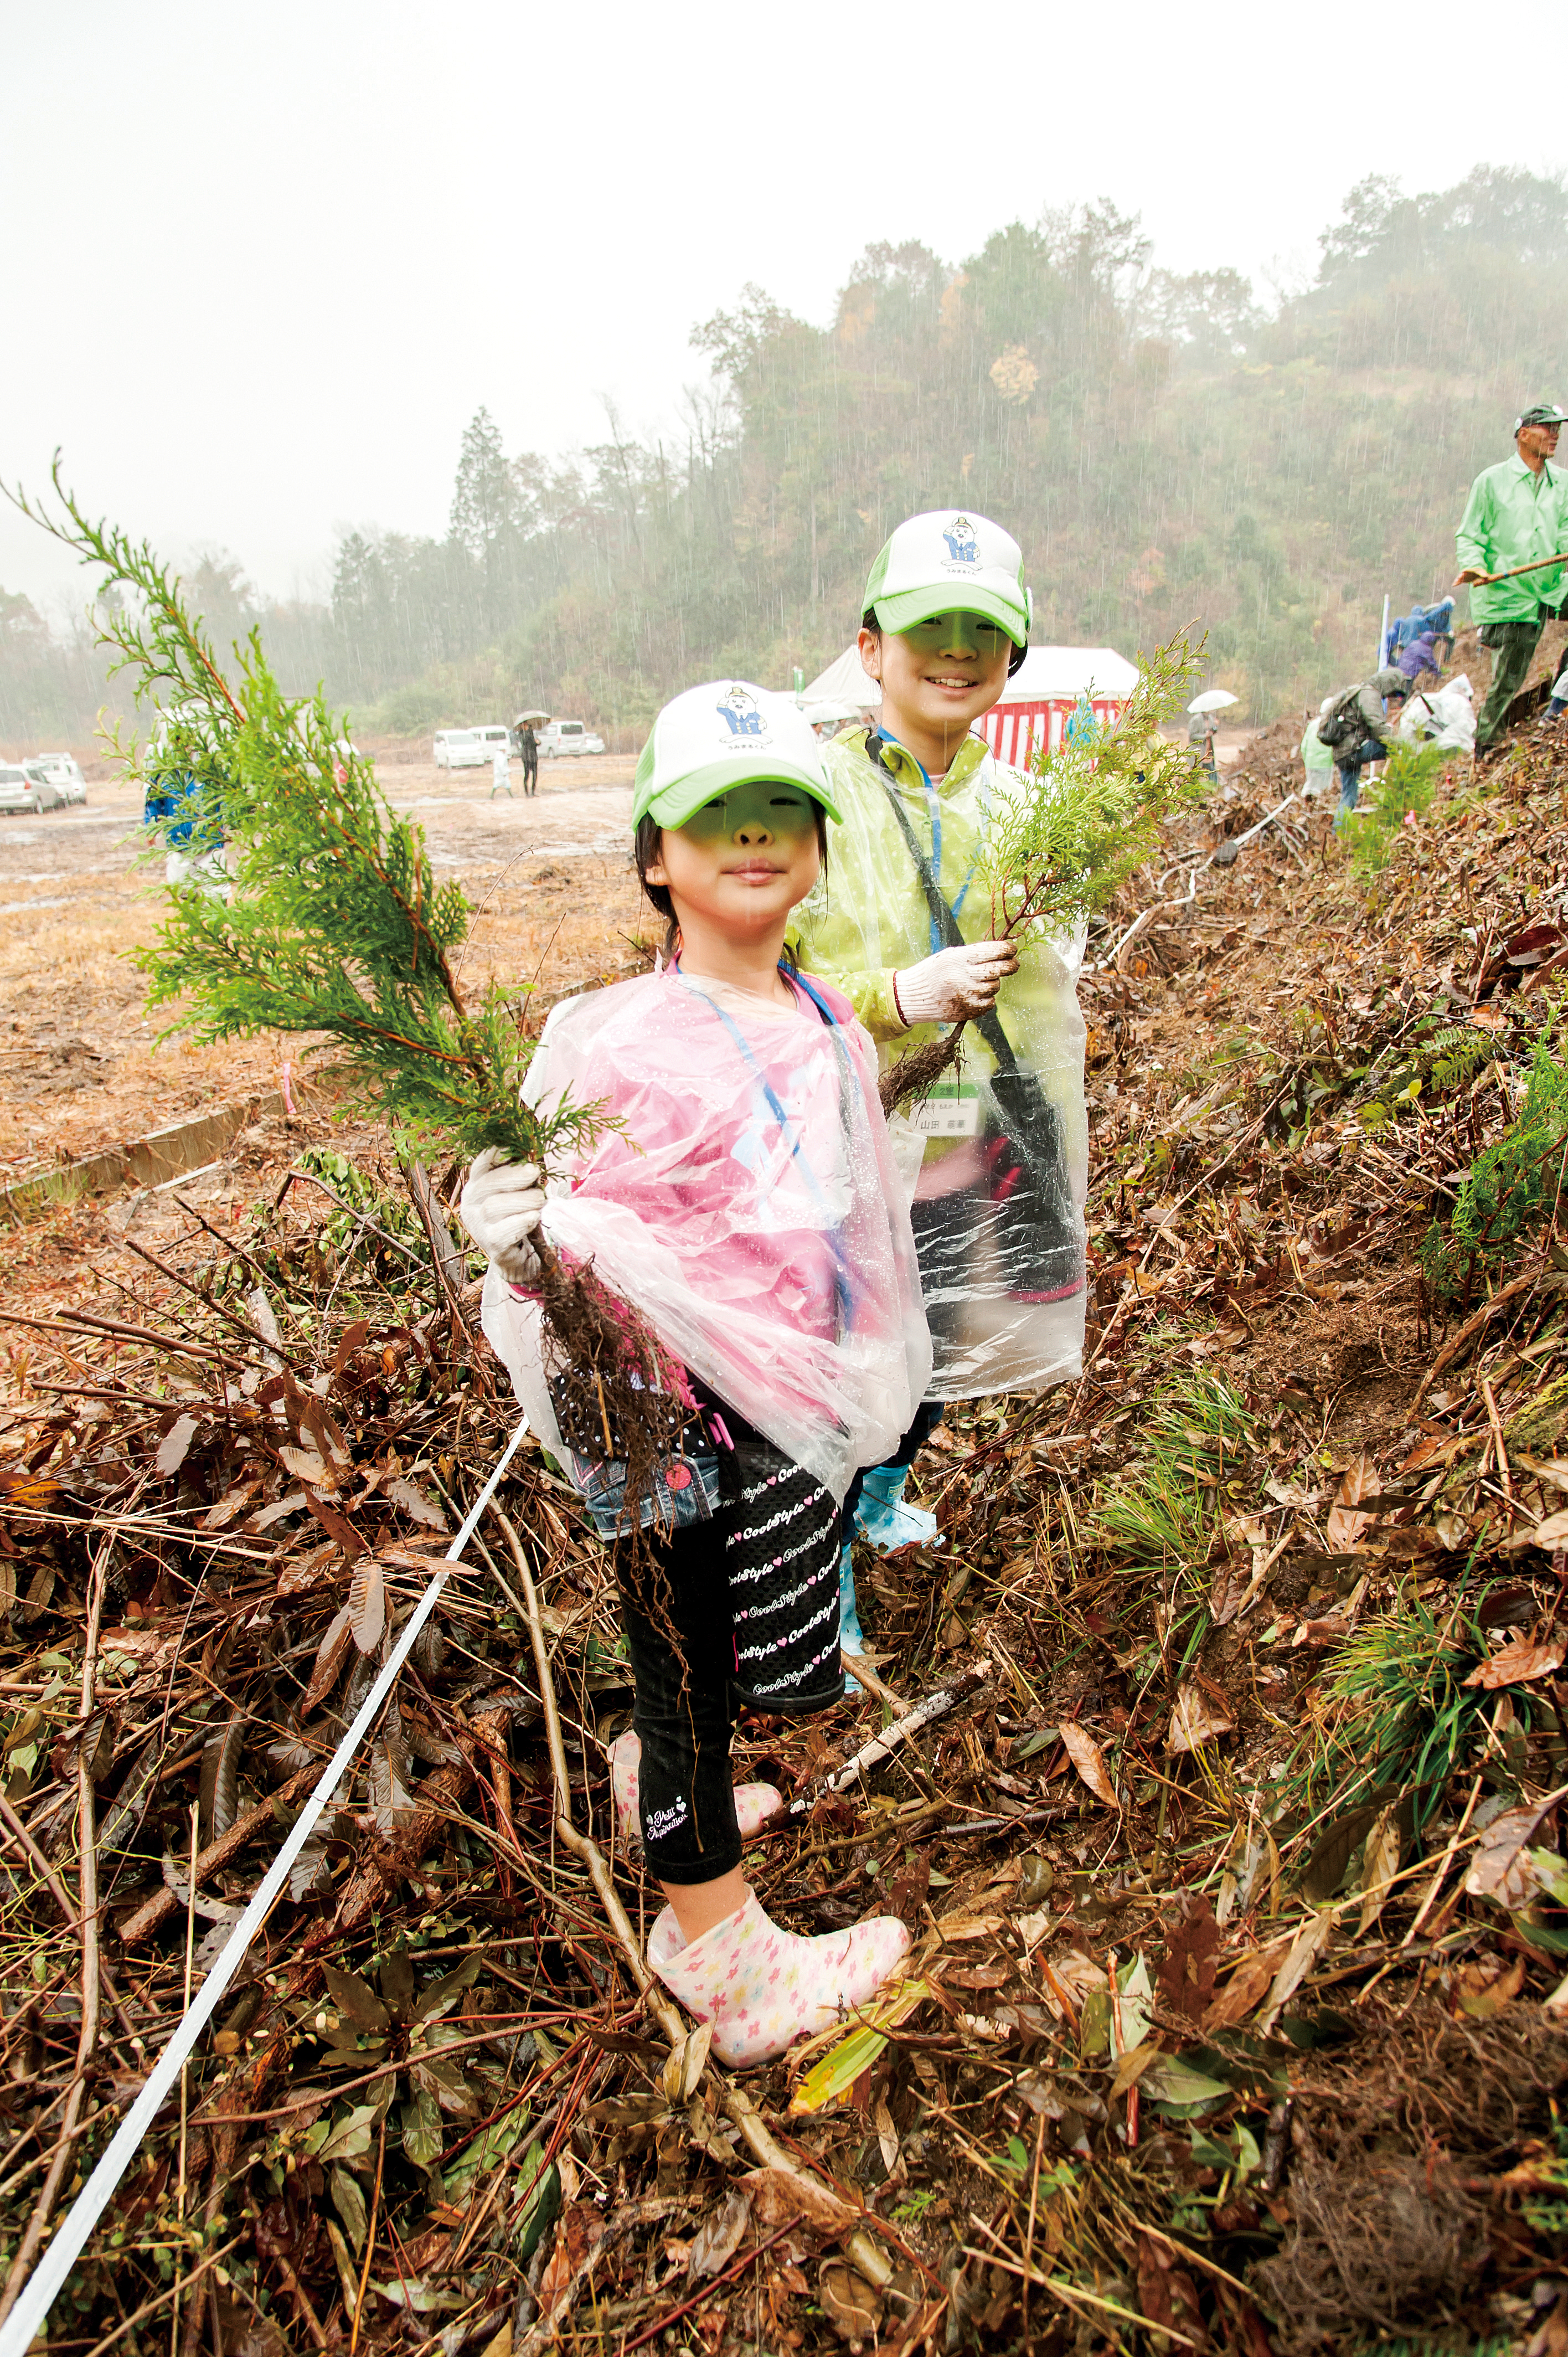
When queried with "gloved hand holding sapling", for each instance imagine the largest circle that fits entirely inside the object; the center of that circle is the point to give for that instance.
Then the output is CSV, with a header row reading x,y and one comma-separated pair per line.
x,y
501,1207
954,983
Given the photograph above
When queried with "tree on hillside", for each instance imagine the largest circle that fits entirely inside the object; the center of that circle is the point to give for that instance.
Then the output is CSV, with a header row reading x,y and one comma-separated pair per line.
x,y
1165,452
484,500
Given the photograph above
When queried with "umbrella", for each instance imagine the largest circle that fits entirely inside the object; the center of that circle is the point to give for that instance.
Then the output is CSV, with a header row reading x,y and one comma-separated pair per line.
x,y
525,719
1213,699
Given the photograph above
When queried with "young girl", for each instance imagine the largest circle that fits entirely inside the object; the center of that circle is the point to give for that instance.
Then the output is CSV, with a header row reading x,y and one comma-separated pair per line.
x,y
748,1208
902,928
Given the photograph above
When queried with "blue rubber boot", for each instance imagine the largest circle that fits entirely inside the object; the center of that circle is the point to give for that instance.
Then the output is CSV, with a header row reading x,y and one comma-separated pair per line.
x,y
852,1636
884,1520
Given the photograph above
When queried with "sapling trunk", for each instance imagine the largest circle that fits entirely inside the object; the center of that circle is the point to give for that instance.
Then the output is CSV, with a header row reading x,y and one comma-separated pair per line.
x,y
310,907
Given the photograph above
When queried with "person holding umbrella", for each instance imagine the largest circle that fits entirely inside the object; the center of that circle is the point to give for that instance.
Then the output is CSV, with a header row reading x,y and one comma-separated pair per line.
x,y
1203,728
528,746
1515,523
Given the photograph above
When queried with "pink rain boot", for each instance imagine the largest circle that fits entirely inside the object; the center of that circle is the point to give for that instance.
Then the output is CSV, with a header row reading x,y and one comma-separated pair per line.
x,y
762,1987
754,1803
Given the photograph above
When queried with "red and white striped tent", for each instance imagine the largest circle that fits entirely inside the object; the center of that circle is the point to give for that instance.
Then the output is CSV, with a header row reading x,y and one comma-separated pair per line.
x,y
1043,693
1036,703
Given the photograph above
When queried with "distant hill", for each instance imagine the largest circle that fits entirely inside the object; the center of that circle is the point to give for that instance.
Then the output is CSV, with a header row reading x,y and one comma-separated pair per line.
x,y
1165,451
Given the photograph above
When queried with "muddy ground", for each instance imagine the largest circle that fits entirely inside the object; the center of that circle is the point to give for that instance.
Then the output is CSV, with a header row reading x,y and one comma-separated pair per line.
x,y
1332,2122
80,1065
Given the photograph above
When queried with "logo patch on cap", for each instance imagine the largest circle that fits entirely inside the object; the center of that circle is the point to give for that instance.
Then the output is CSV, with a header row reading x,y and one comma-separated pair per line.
x,y
739,709
963,548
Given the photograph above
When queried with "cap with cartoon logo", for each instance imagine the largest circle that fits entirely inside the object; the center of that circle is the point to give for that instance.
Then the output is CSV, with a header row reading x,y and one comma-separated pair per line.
x,y
947,562
722,735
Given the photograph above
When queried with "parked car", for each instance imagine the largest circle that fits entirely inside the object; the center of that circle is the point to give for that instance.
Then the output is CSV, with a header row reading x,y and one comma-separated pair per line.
x,y
19,790
63,771
470,749
559,737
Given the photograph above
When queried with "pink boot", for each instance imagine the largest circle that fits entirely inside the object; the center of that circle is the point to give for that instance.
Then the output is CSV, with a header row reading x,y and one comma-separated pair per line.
x,y
762,1987
753,1802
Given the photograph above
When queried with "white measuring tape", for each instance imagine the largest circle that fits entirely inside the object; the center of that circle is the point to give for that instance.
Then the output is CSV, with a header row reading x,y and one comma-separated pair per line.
x,y
31,2311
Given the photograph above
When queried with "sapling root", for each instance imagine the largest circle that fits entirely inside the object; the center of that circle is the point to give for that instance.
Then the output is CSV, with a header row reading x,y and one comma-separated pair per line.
x,y
918,1071
616,1391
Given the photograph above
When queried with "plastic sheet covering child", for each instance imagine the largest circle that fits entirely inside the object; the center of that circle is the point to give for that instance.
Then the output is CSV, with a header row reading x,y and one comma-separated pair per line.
x,y
998,1154
742,1208
749,1209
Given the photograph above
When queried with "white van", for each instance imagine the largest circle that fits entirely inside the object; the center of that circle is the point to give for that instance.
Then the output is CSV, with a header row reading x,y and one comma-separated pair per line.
x,y
559,737
470,749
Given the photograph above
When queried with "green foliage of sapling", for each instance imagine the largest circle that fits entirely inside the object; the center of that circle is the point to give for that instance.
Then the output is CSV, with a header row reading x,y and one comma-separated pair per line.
x,y
1513,1187
1091,814
1404,790
1398,1712
331,921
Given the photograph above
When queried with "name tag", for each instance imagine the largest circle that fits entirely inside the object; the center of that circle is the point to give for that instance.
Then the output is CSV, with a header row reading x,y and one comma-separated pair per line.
x,y
951,1112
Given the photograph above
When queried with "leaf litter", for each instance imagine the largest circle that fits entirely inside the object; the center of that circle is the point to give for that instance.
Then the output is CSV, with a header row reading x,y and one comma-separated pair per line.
x,y
1229,1839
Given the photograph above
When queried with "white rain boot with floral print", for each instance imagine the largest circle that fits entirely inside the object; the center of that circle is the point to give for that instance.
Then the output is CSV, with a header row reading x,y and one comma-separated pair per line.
x,y
761,1987
754,1803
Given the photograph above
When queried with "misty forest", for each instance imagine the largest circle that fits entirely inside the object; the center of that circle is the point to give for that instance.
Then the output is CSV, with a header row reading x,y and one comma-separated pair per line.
x,y
1169,449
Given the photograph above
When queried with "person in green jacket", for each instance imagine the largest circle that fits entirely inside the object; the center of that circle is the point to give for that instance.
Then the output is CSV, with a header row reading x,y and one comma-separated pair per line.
x,y
1516,512
1316,759
997,1153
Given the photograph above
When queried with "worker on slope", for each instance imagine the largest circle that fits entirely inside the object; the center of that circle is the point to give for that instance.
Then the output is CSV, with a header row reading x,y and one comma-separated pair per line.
x,y
998,1152
1316,757
1357,727
1417,657
1516,512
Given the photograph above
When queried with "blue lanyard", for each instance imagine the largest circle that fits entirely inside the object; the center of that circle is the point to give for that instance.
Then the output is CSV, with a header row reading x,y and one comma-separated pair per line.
x,y
934,812
843,1296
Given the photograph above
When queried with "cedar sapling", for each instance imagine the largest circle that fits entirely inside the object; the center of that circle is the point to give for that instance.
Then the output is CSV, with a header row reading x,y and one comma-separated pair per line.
x,y
1085,818
311,908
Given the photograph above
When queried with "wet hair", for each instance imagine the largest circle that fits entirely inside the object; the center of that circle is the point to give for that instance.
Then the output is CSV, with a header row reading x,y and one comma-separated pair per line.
x,y
868,621
647,843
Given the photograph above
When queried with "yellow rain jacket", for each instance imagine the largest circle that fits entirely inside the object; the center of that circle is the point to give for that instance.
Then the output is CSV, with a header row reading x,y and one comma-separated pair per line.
x,y
1000,1150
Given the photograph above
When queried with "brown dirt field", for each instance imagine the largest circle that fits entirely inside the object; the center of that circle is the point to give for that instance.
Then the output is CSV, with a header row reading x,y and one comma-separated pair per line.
x,y
81,1064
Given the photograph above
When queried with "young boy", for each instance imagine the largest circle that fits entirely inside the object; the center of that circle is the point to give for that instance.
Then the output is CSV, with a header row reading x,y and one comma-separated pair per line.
x,y
902,927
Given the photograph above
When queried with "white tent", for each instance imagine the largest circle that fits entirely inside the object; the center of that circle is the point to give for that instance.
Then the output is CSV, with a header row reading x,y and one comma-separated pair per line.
x,y
1034,706
1052,675
844,682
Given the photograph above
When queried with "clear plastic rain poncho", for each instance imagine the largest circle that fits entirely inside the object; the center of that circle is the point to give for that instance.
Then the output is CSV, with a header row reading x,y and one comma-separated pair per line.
x,y
999,1151
749,1207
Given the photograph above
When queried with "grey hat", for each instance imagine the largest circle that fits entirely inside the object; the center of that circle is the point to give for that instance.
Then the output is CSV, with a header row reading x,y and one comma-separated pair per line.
x,y
1390,681
1545,413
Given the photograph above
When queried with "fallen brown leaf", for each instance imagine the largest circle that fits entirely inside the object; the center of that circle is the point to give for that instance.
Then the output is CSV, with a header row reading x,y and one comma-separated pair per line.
x,y
1196,1720
1345,1525
1380,1863
1520,1659
1500,1868
1482,1994
777,2196
1090,1762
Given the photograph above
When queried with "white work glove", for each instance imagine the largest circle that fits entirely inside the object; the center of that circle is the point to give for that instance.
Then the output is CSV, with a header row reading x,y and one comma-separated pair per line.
x,y
954,983
501,1207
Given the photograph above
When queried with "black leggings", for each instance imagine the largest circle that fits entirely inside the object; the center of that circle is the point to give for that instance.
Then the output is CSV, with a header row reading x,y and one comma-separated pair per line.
x,y
743,1608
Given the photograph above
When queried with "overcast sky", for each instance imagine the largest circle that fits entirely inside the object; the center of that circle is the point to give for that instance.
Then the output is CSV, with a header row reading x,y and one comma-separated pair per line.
x,y
259,265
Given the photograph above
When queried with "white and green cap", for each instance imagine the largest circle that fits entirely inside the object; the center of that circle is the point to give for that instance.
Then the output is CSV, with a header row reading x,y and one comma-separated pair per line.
x,y
950,562
722,735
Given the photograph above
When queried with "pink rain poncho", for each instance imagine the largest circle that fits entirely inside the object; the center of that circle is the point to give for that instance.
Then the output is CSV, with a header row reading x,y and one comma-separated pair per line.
x,y
749,1207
